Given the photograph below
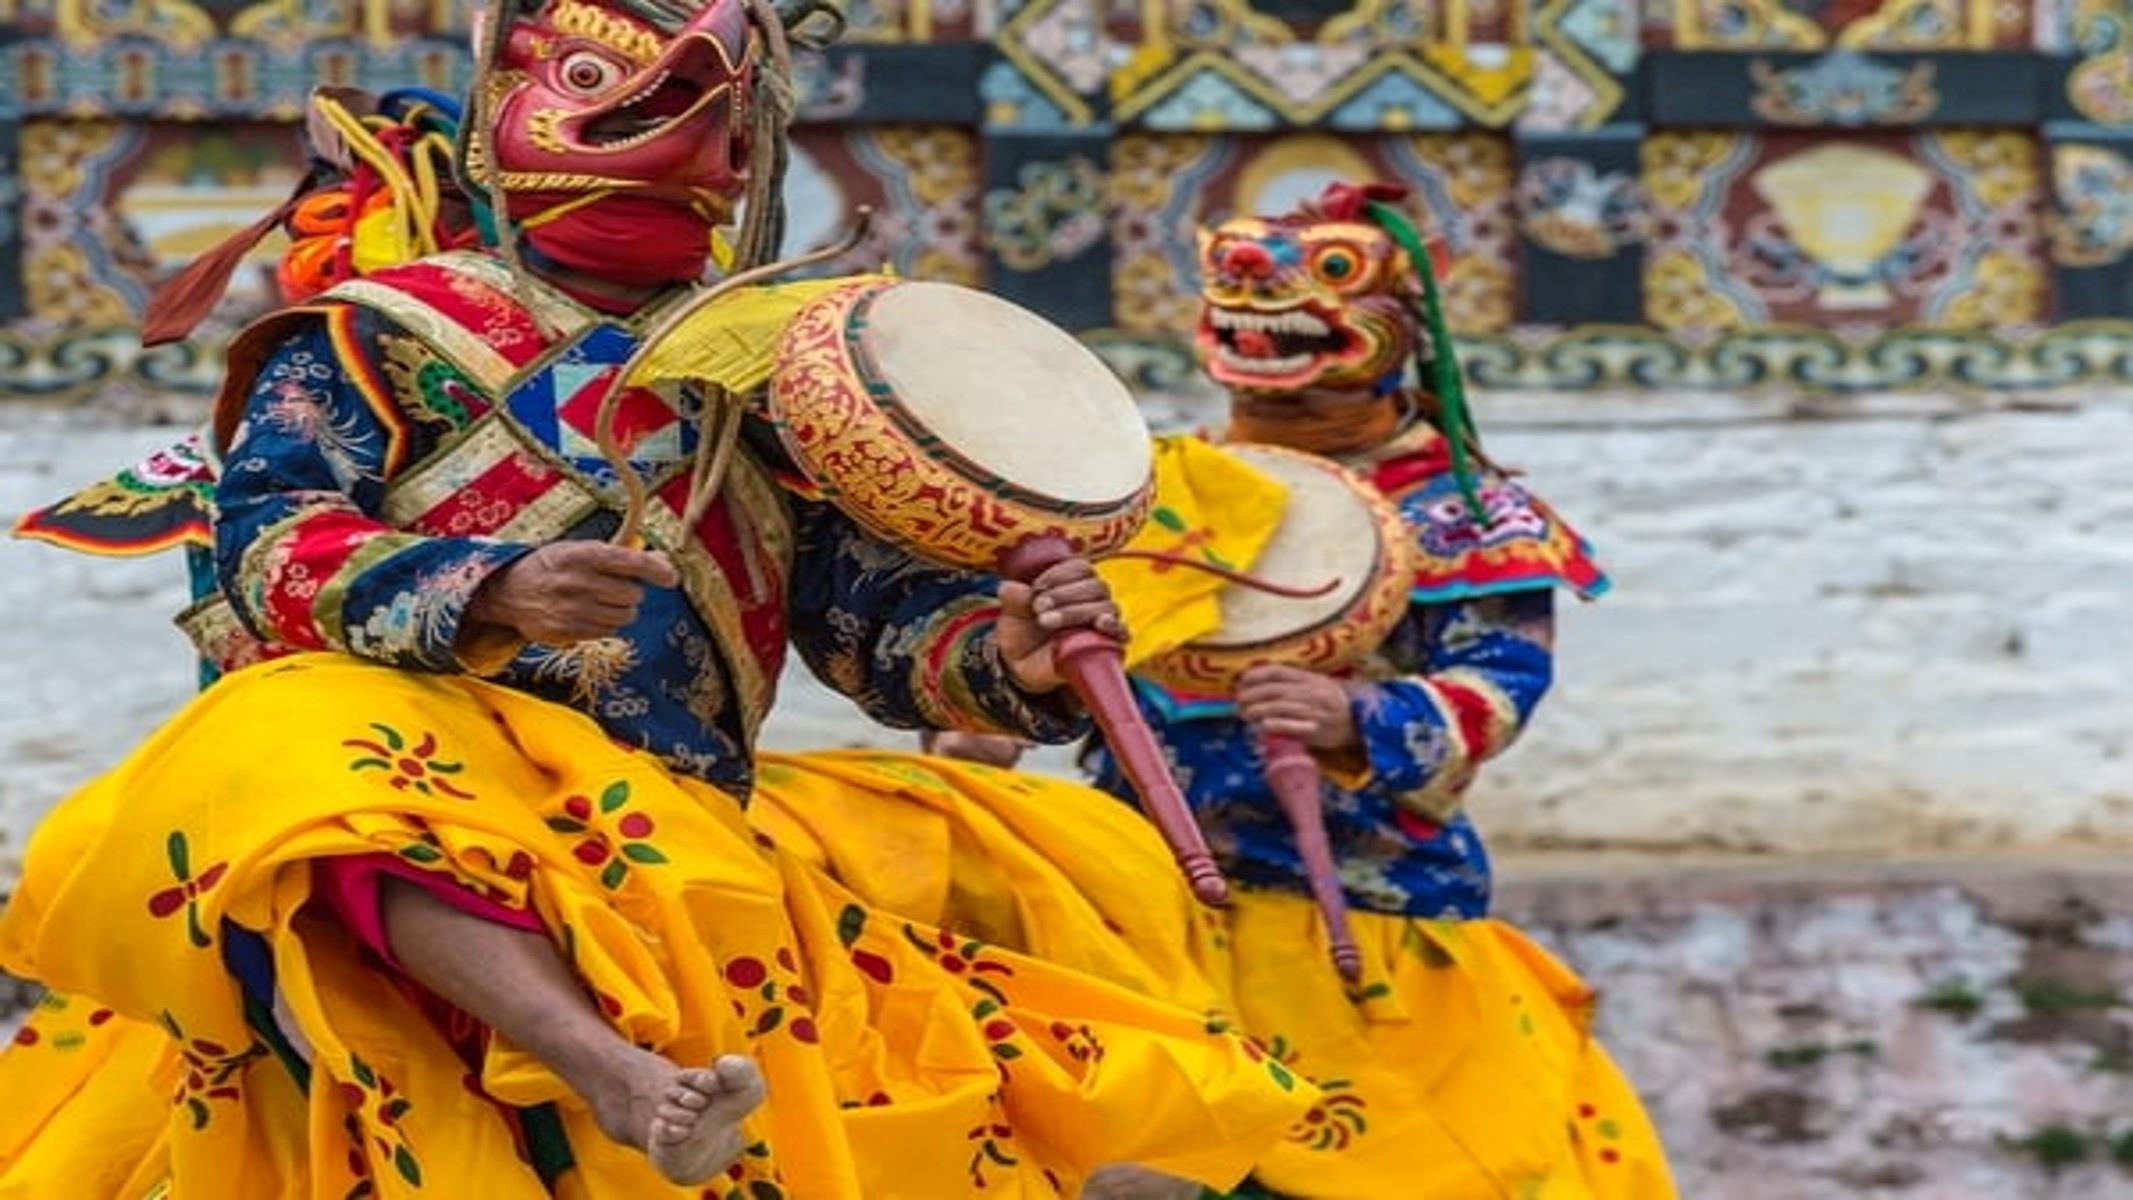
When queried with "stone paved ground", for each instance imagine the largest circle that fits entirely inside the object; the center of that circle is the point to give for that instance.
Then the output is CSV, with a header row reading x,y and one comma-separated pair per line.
x,y
1921,1030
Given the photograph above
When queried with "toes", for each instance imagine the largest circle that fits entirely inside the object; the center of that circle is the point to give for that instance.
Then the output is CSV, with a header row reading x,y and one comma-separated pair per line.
x,y
696,1129
740,1082
679,1121
686,1097
692,1090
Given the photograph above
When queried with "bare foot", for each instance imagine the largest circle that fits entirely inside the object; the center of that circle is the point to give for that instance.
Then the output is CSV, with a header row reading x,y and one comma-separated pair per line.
x,y
688,1122
1128,1182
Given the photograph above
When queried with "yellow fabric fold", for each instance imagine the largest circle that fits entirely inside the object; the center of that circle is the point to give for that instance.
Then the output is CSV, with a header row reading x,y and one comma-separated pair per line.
x,y
1211,507
1462,1063
904,1062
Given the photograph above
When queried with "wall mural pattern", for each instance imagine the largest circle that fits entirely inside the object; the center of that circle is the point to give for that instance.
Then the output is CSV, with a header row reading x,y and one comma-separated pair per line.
x,y
1681,193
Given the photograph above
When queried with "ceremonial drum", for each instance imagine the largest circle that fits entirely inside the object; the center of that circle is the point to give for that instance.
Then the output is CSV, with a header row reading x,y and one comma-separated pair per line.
x,y
960,425
1337,528
1334,528
976,434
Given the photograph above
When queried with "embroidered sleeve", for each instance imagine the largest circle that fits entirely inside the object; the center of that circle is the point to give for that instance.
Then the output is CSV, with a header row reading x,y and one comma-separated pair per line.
x,y
1485,664
300,550
910,643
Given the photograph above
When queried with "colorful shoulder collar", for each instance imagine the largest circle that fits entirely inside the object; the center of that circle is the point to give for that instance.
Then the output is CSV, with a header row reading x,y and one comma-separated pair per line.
x,y
1525,546
486,322
164,501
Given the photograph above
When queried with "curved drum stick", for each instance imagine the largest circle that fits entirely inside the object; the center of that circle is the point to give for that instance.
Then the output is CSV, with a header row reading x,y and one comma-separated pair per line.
x,y
1295,778
1094,666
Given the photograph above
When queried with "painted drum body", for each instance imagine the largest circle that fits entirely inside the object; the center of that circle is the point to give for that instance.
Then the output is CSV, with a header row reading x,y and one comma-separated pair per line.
x,y
959,425
1336,527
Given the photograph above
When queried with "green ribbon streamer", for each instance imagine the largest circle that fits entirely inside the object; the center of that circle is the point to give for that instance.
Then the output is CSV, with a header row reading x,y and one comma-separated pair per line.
x,y
1446,378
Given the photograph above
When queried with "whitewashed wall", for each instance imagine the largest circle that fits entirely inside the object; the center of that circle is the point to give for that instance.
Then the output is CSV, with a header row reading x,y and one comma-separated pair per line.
x,y
1895,626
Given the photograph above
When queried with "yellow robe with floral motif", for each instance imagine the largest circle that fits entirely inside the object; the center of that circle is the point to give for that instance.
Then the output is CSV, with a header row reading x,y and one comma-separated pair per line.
x,y
902,1061
1460,1067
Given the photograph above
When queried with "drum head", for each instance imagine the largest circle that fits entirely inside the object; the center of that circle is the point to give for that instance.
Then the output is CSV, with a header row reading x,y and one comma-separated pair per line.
x,y
1328,531
1008,392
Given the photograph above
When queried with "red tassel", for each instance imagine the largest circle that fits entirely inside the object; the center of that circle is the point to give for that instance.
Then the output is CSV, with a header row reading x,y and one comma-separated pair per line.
x,y
186,298
1348,201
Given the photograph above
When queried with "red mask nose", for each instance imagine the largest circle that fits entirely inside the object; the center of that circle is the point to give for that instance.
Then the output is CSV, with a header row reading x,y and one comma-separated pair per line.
x,y
1247,260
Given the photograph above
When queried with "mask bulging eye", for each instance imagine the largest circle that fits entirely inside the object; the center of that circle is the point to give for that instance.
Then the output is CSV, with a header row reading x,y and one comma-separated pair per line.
x,y
587,73
1337,265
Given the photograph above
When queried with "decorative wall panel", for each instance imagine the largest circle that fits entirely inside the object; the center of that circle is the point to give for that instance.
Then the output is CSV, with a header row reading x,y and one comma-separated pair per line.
x,y
1695,193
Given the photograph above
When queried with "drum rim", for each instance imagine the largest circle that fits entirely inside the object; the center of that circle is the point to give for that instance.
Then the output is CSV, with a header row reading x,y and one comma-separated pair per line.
x,y
874,380
1378,563
1382,556
1198,664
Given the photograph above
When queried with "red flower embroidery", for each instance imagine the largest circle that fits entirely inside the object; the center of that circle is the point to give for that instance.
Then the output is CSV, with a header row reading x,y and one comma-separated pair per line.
x,y
212,1072
767,998
408,769
1607,1129
1079,1041
190,887
991,1143
1275,1059
963,957
751,1177
998,1030
373,1100
611,855
850,924
1335,1121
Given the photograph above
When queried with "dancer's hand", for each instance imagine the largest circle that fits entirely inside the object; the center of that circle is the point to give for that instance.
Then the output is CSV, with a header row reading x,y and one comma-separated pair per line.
x,y
991,749
1068,595
1293,702
570,592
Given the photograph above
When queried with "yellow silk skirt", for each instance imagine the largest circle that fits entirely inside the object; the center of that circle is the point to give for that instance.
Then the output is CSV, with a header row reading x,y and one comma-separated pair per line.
x,y
902,1062
1460,1067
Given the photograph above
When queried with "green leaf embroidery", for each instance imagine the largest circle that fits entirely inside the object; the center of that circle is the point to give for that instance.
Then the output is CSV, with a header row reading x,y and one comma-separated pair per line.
x,y
615,873
1010,1053
393,740
565,825
616,795
198,1111
421,853
180,860
405,1163
361,1070
1168,519
638,852
850,924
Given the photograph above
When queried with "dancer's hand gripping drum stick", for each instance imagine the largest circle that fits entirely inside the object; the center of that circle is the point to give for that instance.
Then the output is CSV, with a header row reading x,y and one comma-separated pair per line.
x,y
1335,525
978,435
